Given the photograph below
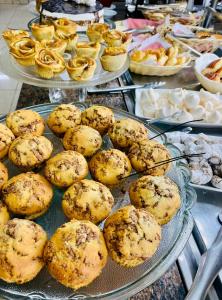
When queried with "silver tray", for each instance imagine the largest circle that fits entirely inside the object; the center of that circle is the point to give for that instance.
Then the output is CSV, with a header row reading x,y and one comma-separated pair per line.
x,y
115,282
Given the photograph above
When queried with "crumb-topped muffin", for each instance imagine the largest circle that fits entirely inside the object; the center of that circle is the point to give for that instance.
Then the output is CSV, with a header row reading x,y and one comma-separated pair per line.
x,y
4,214
63,117
132,236
159,195
98,117
147,154
30,151
3,175
123,133
76,253
6,138
82,139
110,166
21,250
65,168
25,121
87,200
27,194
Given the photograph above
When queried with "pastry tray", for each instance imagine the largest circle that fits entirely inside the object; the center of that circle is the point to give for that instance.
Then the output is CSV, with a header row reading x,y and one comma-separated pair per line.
x,y
115,282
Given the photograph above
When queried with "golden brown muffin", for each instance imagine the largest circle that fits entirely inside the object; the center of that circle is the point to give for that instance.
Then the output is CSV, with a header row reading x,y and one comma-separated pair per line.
x,y
4,214
21,250
123,133
159,195
3,175
63,117
27,194
42,31
110,166
30,151
25,121
76,253
87,200
132,236
82,139
65,168
6,138
98,117
147,154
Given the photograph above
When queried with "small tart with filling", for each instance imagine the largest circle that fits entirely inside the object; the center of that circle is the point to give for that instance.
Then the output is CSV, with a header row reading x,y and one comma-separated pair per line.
x,y
88,49
115,38
113,58
57,45
24,51
70,39
11,35
65,25
95,32
42,32
49,63
81,68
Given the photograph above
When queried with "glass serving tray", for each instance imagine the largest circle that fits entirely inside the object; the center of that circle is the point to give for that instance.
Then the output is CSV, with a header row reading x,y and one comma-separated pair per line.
x,y
115,282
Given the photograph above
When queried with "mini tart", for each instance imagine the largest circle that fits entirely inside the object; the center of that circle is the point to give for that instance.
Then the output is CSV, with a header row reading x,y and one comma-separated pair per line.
x,y
11,35
115,38
86,49
95,32
65,25
42,32
24,51
6,138
70,39
113,58
81,68
57,45
49,63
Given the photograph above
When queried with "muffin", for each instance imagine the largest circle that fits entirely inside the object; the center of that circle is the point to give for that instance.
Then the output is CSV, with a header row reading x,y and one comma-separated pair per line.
x,y
87,200
65,168
25,121
21,250
110,166
76,253
4,214
147,154
63,117
98,117
6,138
123,133
82,139
159,195
132,236
30,151
3,175
28,195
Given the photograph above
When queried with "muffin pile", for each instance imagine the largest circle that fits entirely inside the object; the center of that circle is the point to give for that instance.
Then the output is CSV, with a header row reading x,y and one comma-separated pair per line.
x,y
77,252
46,47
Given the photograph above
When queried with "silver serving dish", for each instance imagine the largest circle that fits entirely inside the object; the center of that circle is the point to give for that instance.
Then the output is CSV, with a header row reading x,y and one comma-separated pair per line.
x,y
115,282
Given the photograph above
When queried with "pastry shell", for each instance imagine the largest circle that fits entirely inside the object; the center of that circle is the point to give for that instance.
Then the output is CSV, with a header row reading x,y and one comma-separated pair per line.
x,y
42,32
11,35
115,38
88,49
95,32
65,25
113,58
81,68
57,45
70,39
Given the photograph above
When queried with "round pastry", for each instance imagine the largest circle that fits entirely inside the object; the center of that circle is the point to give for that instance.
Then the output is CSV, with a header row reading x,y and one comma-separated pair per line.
x,y
70,39
132,236
83,139
65,25
98,117
147,154
10,35
95,32
87,200
25,121
30,151
42,32
65,168
115,38
4,214
27,194
63,117
123,133
3,175
6,138
59,46
22,244
81,68
159,195
88,49
110,166
76,253
113,58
